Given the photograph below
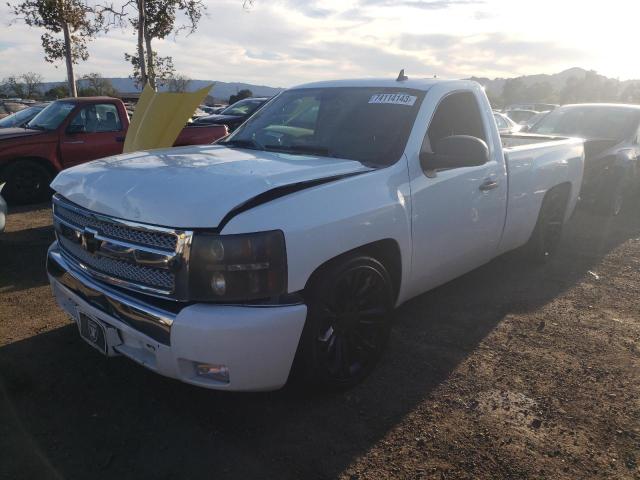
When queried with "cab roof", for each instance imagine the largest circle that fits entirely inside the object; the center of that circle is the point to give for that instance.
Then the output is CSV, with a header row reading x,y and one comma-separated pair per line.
x,y
423,84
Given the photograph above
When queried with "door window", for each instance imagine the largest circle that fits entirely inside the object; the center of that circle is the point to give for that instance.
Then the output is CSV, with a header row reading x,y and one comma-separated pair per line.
x,y
101,117
457,114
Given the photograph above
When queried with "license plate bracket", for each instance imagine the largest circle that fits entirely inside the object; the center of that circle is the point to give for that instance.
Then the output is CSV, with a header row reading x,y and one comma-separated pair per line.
x,y
93,332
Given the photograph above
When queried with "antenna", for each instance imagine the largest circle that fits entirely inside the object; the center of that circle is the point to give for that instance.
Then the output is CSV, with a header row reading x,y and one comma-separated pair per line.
x,y
401,76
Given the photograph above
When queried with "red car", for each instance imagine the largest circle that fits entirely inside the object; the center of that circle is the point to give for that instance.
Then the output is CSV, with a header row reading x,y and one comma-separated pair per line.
x,y
66,133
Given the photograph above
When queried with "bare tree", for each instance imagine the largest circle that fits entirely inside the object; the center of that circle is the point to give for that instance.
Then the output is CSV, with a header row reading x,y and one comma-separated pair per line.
x,y
69,25
179,83
13,87
32,84
27,85
95,84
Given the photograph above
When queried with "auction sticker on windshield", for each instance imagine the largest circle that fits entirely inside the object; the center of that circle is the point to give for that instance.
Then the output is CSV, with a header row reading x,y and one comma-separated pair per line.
x,y
393,99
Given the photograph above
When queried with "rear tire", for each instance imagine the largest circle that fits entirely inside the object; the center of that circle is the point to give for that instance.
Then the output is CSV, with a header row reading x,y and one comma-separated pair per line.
x,y
615,199
27,182
348,323
547,234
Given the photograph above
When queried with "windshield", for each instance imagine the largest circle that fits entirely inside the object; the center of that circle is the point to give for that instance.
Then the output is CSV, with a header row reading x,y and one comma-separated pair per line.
x,y
589,122
52,116
370,125
243,107
19,118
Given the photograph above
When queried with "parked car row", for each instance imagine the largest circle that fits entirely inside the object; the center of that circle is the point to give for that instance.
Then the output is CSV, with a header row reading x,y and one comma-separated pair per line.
x,y
234,115
68,132
21,117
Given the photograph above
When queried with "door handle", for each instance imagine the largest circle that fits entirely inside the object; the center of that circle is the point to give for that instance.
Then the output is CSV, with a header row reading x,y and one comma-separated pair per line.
x,y
74,142
120,139
488,184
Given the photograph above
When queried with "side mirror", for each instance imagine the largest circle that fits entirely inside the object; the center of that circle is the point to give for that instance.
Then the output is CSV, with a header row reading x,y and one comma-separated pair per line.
x,y
72,129
455,151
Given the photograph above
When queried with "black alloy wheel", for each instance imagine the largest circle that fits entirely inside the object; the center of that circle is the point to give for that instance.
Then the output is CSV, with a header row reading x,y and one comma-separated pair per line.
x,y
546,237
615,200
348,323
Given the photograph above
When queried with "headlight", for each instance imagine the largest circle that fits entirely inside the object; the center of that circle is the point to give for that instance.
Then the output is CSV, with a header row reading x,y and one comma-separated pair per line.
x,y
237,267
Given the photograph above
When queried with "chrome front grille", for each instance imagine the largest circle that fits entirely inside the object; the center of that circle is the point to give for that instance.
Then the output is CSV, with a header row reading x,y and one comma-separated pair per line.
x,y
128,254
117,231
149,277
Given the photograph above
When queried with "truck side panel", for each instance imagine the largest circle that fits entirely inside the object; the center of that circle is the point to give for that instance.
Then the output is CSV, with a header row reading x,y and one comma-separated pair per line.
x,y
533,170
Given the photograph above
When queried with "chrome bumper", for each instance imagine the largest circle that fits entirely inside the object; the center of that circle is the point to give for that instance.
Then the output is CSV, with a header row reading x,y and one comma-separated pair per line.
x,y
139,315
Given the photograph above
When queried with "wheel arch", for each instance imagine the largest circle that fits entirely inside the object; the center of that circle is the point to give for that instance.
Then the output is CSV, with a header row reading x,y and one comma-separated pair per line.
x,y
40,160
386,251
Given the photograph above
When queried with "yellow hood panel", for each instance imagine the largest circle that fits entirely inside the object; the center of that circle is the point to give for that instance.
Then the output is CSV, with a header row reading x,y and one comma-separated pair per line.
x,y
160,117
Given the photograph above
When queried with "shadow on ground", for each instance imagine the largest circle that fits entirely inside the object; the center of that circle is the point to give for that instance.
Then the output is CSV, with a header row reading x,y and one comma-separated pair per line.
x,y
67,412
22,258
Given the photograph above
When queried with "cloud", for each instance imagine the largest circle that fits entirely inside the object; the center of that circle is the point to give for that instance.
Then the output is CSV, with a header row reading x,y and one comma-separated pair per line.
x,y
287,42
497,53
310,8
422,4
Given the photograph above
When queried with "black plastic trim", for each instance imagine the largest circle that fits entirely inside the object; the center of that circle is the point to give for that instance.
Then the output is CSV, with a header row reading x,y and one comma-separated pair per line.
x,y
278,192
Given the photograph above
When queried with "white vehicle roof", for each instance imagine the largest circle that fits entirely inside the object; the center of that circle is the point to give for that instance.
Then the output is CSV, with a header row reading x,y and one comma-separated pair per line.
x,y
416,84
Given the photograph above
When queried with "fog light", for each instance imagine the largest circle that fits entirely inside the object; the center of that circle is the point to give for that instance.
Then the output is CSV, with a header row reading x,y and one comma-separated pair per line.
x,y
219,373
218,283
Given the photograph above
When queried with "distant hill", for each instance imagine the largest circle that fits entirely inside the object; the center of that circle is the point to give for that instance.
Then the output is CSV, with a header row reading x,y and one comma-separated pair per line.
x,y
557,80
494,87
221,90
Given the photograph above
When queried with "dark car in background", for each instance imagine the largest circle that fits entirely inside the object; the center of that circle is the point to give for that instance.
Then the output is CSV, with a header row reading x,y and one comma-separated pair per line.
x,y
505,124
234,115
520,116
21,117
612,149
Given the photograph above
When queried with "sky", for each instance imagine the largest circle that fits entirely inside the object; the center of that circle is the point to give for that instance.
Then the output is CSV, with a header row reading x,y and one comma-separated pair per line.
x,y
286,42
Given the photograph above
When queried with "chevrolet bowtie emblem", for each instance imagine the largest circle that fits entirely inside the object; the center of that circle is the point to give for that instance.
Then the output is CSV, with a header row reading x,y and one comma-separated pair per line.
x,y
88,240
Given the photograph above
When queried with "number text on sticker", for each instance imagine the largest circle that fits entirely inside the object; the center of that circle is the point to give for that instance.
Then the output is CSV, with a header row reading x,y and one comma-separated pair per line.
x,y
393,99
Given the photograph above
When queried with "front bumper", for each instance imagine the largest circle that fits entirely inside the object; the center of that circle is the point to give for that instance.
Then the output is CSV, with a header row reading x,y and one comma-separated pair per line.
x,y
256,343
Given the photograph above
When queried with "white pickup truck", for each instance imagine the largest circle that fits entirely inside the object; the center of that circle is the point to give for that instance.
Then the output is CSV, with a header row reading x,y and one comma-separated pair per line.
x,y
291,241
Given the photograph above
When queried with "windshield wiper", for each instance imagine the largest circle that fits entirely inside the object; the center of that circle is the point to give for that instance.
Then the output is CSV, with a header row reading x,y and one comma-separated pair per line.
x,y
311,149
34,127
243,143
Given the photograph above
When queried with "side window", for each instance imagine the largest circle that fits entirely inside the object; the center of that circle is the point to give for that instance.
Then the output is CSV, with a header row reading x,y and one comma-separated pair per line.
x,y
102,117
457,114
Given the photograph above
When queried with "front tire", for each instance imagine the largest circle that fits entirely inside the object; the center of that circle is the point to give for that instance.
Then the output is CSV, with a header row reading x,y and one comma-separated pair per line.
x,y
27,182
348,322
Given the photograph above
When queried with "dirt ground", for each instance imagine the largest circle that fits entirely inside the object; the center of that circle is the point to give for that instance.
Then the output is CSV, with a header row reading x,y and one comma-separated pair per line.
x,y
509,372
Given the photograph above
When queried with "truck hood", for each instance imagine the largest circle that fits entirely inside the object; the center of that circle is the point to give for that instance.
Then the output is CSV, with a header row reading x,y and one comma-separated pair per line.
x,y
17,132
192,187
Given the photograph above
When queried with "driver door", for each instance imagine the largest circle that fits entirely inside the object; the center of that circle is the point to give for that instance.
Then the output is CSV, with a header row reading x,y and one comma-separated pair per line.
x,y
457,214
95,131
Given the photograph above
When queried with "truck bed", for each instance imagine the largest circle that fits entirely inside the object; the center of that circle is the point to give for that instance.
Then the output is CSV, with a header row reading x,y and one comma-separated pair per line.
x,y
534,164
514,140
